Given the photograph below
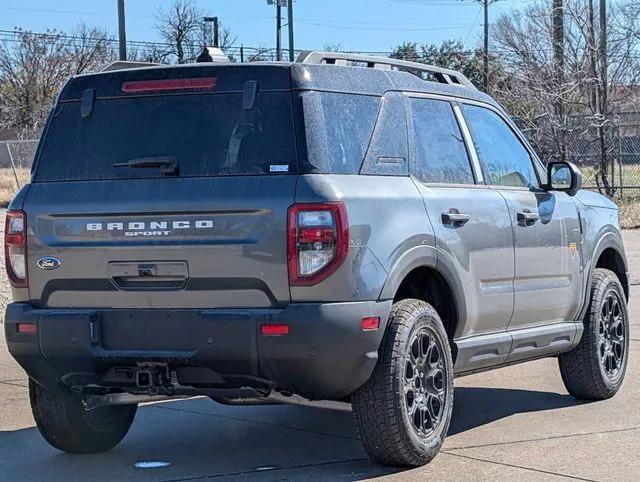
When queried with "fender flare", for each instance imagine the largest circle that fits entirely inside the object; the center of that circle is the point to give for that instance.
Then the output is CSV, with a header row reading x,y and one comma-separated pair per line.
x,y
427,257
608,240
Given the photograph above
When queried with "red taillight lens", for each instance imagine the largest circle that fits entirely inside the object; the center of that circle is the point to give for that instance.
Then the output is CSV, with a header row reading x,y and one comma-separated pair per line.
x,y
15,248
318,241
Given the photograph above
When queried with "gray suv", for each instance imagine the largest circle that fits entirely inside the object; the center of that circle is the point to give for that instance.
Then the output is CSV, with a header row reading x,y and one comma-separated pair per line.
x,y
343,228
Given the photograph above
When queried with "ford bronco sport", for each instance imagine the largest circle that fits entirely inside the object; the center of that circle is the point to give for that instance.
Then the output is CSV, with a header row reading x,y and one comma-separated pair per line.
x,y
341,228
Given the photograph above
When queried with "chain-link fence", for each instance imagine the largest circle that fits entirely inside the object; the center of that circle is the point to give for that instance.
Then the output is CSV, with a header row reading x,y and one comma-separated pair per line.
x,y
608,154
617,172
16,157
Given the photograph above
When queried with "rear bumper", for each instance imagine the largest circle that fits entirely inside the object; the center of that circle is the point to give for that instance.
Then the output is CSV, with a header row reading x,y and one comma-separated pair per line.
x,y
325,355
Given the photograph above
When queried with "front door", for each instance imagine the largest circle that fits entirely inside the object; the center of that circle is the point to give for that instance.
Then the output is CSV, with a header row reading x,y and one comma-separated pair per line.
x,y
470,221
546,228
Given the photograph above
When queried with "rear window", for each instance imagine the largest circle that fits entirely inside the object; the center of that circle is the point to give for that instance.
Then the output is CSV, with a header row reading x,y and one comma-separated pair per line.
x,y
206,134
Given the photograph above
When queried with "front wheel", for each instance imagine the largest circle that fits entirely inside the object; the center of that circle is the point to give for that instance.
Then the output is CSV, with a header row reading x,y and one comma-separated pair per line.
x,y
403,411
67,426
595,369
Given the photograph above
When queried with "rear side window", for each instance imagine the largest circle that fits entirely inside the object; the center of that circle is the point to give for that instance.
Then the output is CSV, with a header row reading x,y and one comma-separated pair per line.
x,y
505,158
338,128
206,134
440,154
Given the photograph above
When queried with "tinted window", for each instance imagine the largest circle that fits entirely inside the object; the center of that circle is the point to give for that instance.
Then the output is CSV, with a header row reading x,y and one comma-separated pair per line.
x,y
338,129
507,161
207,134
440,153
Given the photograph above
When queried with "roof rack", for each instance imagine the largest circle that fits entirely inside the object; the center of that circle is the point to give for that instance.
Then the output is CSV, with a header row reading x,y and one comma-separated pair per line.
x,y
125,64
441,75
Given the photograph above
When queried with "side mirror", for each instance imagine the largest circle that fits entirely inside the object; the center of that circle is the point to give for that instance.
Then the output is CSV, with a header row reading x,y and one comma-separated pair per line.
x,y
565,177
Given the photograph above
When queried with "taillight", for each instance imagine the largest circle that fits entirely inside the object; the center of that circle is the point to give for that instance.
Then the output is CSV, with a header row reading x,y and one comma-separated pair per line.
x,y
318,241
15,248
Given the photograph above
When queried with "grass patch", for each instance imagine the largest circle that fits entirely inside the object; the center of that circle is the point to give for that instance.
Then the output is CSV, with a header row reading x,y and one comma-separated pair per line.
x,y
629,212
8,185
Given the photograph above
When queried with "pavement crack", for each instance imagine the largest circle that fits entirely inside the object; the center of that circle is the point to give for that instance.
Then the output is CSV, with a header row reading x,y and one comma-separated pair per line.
x,y
522,467
542,439
274,469
238,419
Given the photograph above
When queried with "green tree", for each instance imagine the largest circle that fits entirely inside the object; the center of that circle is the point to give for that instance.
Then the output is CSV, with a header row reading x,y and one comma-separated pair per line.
x,y
450,54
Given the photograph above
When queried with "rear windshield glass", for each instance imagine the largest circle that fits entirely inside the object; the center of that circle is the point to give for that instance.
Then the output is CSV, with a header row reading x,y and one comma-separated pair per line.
x,y
206,135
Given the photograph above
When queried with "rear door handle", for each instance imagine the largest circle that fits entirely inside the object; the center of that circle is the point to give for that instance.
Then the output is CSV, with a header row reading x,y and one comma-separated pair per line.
x,y
453,216
527,216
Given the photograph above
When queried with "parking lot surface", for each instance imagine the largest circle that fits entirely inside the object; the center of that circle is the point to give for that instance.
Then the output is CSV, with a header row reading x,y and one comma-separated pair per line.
x,y
513,423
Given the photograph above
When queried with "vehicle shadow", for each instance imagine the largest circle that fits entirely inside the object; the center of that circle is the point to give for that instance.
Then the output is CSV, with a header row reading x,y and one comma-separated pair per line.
x,y
201,439
478,406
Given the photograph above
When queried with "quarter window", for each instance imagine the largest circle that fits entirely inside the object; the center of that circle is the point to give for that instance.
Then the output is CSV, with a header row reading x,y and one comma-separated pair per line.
x,y
439,152
507,161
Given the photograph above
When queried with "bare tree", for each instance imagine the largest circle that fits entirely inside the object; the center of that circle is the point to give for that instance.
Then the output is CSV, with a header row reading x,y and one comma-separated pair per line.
x,y
590,88
332,47
34,68
183,29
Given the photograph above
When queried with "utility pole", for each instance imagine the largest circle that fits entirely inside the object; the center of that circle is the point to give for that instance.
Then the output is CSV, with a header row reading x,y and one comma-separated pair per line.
x,y
486,45
290,26
278,31
122,36
603,54
485,5
216,30
558,60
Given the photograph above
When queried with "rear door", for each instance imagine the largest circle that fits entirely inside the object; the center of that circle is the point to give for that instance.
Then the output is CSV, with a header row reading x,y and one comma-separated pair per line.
x,y
546,228
471,221
165,188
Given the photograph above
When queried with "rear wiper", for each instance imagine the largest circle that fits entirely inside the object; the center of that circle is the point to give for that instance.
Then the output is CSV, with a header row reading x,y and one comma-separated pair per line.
x,y
167,165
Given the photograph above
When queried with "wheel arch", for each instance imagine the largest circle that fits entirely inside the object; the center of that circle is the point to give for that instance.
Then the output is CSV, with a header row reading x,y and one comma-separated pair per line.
x,y
609,253
421,274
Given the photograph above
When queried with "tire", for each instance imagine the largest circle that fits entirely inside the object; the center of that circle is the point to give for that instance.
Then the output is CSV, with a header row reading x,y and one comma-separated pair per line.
x,y
385,407
67,426
595,369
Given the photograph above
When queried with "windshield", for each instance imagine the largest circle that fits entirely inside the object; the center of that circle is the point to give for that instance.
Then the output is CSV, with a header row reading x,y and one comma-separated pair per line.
x,y
206,134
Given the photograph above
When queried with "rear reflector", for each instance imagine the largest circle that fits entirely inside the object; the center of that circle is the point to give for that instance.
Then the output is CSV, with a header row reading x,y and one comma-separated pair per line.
x,y
168,84
27,328
371,323
274,330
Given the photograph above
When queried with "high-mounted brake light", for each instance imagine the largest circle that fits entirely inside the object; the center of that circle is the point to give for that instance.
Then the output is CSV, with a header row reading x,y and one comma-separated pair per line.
x,y
161,85
318,241
15,248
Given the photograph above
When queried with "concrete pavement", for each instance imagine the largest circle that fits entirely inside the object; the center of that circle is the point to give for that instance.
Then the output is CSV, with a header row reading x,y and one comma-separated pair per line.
x,y
513,423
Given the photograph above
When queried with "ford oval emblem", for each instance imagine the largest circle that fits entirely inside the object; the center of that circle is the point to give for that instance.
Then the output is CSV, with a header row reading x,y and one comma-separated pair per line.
x,y
48,263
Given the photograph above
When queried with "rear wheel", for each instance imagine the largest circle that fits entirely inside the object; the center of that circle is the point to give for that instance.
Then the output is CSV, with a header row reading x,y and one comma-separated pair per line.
x,y
595,369
403,411
67,426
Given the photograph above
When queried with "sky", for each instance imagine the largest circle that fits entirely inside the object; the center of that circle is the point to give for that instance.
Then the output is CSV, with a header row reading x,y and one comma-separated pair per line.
x,y
359,25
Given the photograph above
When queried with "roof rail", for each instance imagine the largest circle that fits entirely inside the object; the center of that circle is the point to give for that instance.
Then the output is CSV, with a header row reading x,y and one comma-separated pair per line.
x,y
441,75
